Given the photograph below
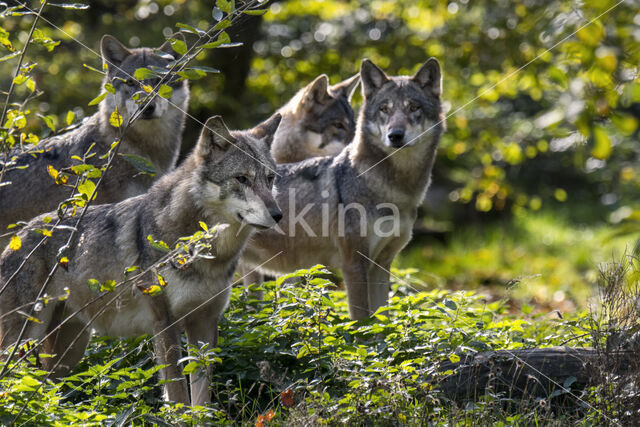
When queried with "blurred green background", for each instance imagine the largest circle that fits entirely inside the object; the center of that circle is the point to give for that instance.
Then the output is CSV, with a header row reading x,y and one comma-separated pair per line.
x,y
537,177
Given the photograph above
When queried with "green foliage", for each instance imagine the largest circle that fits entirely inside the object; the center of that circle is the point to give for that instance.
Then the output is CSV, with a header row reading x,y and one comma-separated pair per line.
x,y
296,353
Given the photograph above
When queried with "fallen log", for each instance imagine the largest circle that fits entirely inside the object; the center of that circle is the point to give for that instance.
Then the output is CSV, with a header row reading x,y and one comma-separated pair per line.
x,y
536,372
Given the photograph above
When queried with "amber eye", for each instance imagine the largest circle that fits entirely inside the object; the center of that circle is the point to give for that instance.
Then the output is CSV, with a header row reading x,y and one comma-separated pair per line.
x,y
338,126
242,179
385,108
414,107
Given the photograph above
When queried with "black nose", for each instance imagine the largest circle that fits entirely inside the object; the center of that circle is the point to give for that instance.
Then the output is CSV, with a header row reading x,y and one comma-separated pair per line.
x,y
396,137
148,111
276,214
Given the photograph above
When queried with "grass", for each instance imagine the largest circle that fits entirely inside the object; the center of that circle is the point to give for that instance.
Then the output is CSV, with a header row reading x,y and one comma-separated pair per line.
x,y
538,259
296,358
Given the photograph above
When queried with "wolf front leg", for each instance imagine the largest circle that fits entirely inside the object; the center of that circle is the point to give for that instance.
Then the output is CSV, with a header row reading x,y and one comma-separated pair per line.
x,y
202,327
168,350
354,270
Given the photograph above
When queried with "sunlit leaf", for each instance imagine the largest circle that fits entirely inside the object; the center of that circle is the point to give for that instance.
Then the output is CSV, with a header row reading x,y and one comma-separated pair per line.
x,y
15,243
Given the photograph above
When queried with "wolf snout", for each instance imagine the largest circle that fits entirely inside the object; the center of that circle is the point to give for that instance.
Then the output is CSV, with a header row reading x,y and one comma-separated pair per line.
x,y
148,112
396,137
276,214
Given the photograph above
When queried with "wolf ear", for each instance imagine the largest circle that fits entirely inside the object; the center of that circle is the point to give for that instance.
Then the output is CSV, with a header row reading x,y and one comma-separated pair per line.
x,y
372,77
215,137
316,92
168,49
267,129
347,87
113,52
429,76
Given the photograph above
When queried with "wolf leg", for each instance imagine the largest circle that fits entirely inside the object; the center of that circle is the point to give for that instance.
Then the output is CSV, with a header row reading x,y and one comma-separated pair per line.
x,y
67,344
354,270
202,327
168,350
378,278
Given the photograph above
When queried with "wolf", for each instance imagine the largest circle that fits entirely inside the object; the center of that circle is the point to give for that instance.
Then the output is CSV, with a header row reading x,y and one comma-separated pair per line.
x,y
28,189
355,211
317,121
227,179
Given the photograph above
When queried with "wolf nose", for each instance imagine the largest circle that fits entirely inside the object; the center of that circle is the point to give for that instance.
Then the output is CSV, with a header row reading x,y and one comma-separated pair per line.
x,y
396,136
148,111
276,215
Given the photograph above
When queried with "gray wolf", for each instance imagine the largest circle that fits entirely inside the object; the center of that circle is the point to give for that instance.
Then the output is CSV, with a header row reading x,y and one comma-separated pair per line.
x,y
356,211
317,121
227,179
156,136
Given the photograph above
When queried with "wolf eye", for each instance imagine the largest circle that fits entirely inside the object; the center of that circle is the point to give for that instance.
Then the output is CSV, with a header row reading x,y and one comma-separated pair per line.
x,y
242,179
385,108
414,107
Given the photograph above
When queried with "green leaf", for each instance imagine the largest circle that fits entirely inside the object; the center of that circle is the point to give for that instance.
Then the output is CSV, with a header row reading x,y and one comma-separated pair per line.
x,y
70,117
115,119
190,368
255,12
165,91
192,74
227,6
93,68
143,164
144,74
94,285
108,286
188,28
87,188
222,25
179,46
158,244
49,121
98,99
109,88
31,85
454,358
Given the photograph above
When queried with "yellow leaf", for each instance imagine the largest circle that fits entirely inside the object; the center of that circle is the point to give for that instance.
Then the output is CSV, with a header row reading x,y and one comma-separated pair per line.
x,y
52,172
15,243
116,119
64,261
602,148
147,88
152,290
46,233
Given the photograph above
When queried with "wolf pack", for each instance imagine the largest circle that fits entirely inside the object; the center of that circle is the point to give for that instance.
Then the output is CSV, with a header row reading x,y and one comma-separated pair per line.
x,y
312,184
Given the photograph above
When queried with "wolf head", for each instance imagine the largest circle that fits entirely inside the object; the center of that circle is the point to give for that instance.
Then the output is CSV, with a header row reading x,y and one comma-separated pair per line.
x,y
318,121
403,110
122,64
235,172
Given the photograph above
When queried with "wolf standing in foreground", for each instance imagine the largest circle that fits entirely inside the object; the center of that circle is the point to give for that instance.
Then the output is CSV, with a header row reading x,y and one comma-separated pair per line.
x,y
227,179
317,121
156,135
356,211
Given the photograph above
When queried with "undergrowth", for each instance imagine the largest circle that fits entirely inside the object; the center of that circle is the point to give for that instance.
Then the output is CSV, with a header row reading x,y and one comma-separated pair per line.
x,y
295,357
